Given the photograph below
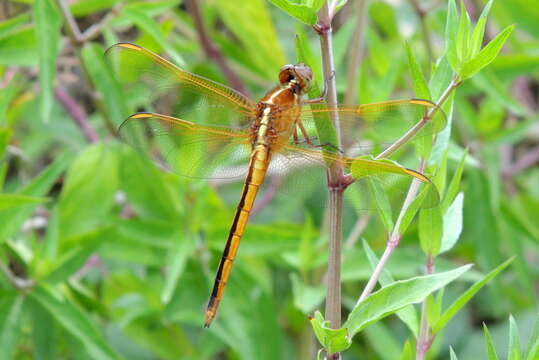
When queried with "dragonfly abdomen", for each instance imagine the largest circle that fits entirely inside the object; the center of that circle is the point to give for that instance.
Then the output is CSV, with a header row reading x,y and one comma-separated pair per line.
x,y
257,171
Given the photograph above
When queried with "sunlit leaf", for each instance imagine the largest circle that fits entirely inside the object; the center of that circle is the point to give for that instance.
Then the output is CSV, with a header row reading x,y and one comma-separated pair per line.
x,y
452,310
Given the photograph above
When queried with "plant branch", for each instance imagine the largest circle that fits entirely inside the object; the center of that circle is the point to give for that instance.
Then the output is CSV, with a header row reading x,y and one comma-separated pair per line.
x,y
335,178
527,160
419,125
356,52
77,114
210,49
424,339
395,236
73,29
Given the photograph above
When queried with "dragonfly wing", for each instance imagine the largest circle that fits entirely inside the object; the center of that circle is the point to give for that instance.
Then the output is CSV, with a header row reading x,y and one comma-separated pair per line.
x,y
372,127
189,149
160,86
378,184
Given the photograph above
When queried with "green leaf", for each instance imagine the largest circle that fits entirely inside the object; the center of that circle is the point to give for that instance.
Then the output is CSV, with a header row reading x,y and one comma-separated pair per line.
x,y
47,26
252,25
479,30
333,340
10,201
533,343
418,79
454,185
301,12
88,192
466,296
79,249
20,48
101,76
306,298
451,29
178,256
324,126
11,311
441,77
12,220
147,24
407,351
87,7
452,224
463,35
146,188
513,350
74,321
491,351
44,332
486,55
431,230
452,354
396,296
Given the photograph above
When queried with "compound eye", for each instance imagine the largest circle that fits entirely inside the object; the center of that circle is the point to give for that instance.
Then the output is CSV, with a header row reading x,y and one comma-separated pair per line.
x,y
286,74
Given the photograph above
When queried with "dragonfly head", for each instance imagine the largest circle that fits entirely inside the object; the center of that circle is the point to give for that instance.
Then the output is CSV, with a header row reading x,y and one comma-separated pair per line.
x,y
299,76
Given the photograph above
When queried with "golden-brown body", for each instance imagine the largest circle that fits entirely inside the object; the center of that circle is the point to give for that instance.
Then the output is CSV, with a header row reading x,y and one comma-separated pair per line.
x,y
277,115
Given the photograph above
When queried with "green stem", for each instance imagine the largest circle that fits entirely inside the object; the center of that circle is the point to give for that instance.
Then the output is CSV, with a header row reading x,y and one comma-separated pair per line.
x,y
335,180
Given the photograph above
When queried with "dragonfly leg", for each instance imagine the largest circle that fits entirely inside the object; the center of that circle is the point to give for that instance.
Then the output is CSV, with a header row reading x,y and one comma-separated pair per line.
x,y
322,97
295,135
303,132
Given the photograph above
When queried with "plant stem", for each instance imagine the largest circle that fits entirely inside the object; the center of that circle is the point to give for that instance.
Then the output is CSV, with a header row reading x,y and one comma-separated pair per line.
x,y
77,114
424,340
335,180
395,236
419,125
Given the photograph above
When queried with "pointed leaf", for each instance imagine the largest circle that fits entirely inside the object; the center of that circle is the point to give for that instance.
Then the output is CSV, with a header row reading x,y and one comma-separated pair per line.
x,y
11,311
486,55
396,296
451,29
301,12
513,350
491,351
430,230
10,201
466,296
418,79
47,27
452,224
74,321
479,30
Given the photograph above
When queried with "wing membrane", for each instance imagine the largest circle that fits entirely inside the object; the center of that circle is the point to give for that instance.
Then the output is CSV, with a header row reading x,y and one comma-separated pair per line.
x,y
379,184
189,149
165,88
371,127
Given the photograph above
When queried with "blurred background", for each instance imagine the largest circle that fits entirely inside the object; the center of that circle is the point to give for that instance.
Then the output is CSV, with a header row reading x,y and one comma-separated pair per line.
x,y
104,255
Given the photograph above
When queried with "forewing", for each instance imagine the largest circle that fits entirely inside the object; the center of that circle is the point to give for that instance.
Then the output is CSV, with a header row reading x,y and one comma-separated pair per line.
x,y
189,149
370,128
160,86
379,185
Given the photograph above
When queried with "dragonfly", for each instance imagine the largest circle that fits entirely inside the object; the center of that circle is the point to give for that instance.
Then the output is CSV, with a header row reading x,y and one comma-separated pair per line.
x,y
200,124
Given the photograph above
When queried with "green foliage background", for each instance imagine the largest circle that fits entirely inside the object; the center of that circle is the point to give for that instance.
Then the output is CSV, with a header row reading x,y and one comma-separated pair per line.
x,y
104,256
